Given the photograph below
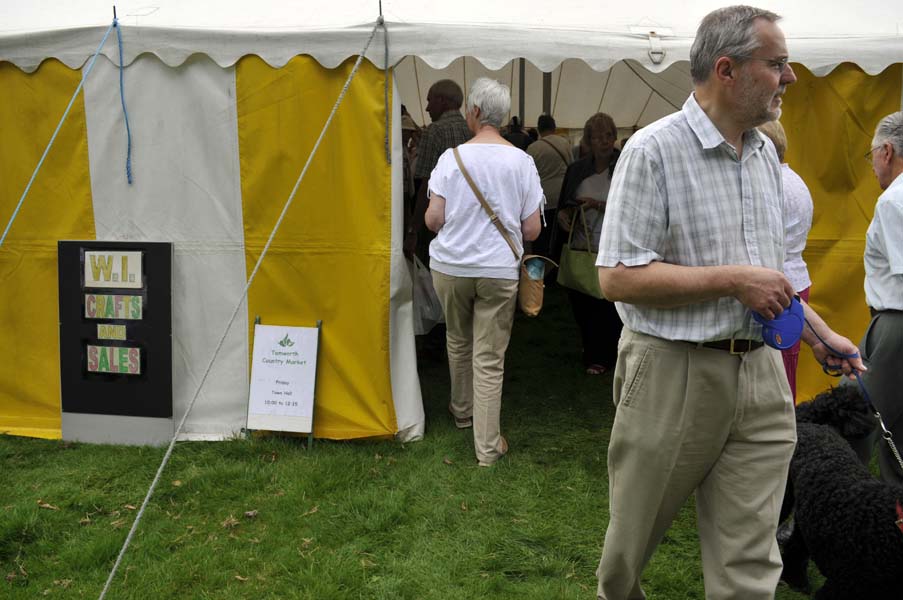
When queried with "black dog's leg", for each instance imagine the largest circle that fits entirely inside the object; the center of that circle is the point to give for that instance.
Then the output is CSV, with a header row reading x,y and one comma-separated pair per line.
x,y
789,501
796,563
832,591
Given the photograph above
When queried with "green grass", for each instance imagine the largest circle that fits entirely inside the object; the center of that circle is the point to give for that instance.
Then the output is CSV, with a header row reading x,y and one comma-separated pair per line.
x,y
370,519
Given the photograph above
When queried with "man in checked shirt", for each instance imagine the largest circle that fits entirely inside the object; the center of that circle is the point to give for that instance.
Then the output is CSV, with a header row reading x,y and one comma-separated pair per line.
x,y
448,130
692,243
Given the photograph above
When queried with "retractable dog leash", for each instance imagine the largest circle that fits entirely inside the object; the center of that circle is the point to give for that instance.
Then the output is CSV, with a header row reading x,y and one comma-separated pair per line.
x,y
835,372
784,331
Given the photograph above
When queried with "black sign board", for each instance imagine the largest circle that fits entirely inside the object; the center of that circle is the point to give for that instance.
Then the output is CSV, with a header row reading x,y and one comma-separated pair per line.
x,y
116,328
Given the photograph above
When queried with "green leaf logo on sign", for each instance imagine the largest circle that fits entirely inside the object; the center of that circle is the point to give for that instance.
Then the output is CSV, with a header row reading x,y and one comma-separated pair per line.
x,y
286,342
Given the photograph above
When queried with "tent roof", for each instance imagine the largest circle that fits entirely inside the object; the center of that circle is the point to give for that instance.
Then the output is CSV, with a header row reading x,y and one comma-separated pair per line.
x,y
820,33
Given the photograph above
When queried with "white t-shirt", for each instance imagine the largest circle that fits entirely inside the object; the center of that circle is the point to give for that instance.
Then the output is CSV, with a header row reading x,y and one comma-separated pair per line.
x,y
469,245
596,187
797,223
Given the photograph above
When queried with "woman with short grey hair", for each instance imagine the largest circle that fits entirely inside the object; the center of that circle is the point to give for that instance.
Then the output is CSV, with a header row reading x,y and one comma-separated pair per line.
x,y
475,271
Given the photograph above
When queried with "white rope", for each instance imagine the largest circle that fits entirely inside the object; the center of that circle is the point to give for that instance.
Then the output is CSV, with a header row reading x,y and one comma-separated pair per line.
x,y
56,131
219,346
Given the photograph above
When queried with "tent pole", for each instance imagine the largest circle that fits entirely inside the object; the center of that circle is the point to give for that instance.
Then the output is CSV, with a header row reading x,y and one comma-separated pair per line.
x,y
521,73
547,93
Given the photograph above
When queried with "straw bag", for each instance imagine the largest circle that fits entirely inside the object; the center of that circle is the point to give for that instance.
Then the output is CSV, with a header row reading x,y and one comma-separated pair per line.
x,y
578,267
530,284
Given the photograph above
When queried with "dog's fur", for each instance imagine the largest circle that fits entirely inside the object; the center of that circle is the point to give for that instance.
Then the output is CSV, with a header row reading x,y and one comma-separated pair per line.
x,y
844,517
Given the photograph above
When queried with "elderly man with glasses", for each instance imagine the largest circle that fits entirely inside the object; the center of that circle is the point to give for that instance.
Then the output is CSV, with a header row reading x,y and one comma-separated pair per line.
x,y
692,244
882,344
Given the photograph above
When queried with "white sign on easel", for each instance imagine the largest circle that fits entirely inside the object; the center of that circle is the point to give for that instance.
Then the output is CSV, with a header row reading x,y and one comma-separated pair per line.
x,y
283,378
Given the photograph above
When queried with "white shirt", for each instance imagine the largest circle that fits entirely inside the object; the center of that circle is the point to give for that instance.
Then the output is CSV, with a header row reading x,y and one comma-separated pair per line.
x,y
884,251
596,187
797,223
469,245
682,196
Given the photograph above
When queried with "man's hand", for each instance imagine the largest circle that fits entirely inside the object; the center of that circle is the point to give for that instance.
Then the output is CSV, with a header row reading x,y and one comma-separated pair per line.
x,y
836,363
763,290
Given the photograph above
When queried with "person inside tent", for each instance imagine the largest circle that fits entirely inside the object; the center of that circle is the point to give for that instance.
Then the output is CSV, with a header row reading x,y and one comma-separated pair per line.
x,y
447,130
584,194
475,265
516,134
552,154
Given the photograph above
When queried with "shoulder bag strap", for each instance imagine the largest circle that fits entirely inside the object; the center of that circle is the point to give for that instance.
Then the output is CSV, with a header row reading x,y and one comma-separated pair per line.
x,y
582,215
492,216
560,153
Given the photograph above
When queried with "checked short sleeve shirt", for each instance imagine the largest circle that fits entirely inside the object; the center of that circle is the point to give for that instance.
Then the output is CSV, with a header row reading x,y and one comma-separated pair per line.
x,y
449,131
682,196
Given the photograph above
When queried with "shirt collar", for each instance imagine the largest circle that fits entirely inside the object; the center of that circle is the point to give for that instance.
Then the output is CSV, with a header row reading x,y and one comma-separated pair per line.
x,y
897,182
451,114
706,132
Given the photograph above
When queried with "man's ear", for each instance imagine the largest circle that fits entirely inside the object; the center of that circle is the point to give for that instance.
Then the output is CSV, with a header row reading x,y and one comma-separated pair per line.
x,y
725,70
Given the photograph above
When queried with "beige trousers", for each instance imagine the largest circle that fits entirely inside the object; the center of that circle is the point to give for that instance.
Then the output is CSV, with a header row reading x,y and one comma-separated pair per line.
x,y
697,419
479,313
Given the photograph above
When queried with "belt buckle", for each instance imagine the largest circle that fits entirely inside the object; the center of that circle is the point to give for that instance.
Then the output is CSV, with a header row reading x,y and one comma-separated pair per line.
x,y
739,352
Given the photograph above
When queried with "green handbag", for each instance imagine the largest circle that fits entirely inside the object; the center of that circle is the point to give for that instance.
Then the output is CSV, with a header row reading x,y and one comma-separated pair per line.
x,y
577,268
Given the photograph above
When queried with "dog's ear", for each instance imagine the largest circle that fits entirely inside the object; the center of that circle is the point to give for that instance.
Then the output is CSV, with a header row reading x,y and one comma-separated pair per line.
x,y
842,408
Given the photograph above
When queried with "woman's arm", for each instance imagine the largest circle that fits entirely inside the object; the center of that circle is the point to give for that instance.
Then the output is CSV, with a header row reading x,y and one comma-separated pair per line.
x,y
435,213
531,226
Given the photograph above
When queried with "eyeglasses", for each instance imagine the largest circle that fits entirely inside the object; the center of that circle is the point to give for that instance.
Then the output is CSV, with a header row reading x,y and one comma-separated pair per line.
x,y
778,64
870,153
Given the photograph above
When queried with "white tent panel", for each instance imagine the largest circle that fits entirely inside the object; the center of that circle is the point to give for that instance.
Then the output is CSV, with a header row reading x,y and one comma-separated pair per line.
x,y
409,415
187,191
655,109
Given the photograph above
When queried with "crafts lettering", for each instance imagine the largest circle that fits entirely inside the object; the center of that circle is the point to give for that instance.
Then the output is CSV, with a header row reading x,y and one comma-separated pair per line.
x,y
113,306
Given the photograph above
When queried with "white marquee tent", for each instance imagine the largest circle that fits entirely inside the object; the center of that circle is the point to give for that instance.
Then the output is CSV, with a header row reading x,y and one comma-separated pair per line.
x,y
212,89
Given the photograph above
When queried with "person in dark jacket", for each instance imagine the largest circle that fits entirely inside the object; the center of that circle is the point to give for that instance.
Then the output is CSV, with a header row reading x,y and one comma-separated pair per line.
x,y
584,193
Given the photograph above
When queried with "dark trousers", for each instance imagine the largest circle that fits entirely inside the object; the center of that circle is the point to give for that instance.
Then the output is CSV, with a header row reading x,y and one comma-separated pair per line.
x,y
881,348
600,327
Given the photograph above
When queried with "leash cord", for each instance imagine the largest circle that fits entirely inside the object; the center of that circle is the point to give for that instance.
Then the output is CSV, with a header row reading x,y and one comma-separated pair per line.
x,y
835,372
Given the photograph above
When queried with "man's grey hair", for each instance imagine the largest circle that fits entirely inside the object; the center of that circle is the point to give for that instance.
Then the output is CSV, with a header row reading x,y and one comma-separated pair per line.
x,y
492,98
890,129
729,31
451,91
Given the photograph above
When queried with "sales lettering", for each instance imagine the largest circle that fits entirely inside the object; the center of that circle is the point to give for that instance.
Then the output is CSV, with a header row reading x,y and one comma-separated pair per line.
x,y
114,359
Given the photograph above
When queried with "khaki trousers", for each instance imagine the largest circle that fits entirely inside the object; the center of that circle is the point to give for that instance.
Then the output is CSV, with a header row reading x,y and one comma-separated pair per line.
x,y
479,313
697,419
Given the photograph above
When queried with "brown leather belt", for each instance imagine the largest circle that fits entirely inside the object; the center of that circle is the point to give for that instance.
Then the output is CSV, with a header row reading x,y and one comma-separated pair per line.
x,y
733,346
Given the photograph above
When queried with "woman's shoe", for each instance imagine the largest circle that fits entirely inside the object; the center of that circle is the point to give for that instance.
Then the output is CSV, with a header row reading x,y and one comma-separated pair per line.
x,y
503,450
595,369
461,422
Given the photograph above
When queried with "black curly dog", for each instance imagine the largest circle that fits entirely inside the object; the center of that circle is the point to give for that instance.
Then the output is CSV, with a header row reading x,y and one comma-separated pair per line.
x,y
845,518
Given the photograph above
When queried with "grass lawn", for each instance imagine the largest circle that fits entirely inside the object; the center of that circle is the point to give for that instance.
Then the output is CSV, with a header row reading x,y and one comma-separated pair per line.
x,y
267,518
